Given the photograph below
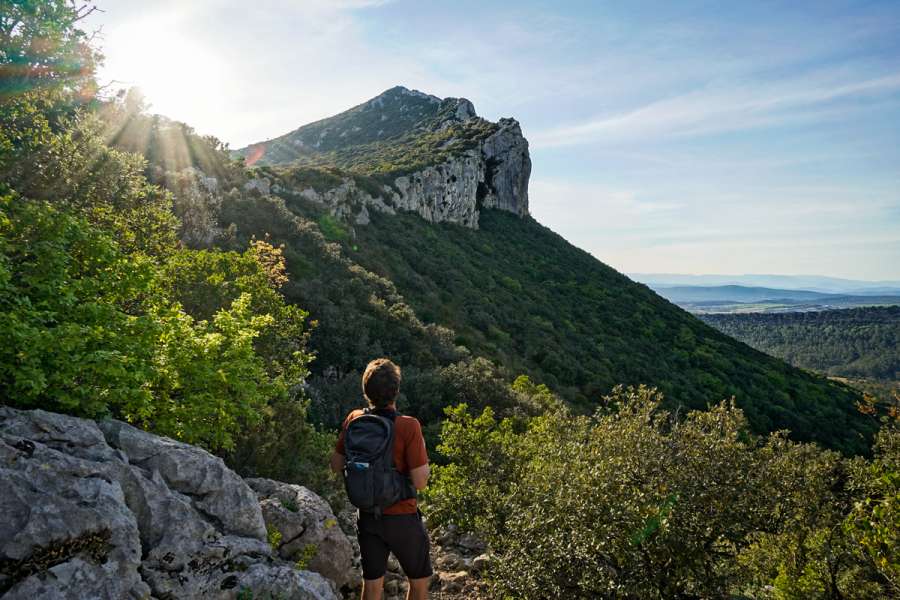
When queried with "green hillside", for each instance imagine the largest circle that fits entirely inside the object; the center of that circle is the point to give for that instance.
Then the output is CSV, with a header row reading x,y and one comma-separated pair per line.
x,y
858,342
440,299
512,292
519,293
522,296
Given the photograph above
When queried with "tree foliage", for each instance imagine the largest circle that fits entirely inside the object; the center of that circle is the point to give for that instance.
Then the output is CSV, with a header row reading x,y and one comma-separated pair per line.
x,y
633,502
74,340
103,311
42,47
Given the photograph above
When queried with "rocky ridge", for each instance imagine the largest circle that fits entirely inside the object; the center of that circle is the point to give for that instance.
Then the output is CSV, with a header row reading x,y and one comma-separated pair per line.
x,y
105,510
390,114
462,163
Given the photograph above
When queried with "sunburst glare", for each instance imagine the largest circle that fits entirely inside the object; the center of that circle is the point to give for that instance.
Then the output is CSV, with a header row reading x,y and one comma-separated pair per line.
x,y
178,76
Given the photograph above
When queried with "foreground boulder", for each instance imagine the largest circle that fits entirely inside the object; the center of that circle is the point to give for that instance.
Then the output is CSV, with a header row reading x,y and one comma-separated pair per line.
x,y
110,511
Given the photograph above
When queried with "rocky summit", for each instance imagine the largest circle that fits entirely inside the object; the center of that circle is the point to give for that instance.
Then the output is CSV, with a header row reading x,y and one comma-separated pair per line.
x,y
401,151
104,510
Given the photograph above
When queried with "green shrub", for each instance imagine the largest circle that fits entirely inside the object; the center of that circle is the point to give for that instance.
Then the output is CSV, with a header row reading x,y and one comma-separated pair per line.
x,y
332,229
874,522
73,341
636,503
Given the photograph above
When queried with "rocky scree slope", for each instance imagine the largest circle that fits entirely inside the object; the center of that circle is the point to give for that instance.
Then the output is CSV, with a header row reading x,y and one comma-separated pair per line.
x,y
105,510
402,150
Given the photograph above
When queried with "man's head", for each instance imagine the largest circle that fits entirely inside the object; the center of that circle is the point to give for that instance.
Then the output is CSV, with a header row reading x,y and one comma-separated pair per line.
x,y
381,382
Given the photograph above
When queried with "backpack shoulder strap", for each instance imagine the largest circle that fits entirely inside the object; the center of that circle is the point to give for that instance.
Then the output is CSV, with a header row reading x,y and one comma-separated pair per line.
x,y
381,412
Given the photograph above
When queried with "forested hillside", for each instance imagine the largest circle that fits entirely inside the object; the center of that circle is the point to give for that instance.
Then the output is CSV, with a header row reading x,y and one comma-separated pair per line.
x,y
439,298
858,342
511,291
435,297
521,295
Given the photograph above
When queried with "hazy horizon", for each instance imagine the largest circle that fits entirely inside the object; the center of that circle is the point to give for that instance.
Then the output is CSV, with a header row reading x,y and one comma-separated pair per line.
x,y
788,275
664,138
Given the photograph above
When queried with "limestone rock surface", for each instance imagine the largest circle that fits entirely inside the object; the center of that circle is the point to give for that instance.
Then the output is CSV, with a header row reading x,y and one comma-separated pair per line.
x,y
489,167
309,530
109,511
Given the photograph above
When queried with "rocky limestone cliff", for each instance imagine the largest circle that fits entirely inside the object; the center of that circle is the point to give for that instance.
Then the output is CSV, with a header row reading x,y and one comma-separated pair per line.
x,y
493,175
468,164
104,510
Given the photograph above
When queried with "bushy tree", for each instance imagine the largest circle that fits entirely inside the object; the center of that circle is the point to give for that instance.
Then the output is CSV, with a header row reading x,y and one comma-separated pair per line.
x,y
90,331
75,339
103,311
42,47
635,502
63,159
874,522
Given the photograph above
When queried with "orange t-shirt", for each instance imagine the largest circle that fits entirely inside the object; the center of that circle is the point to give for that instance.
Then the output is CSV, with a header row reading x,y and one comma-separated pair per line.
x,y
409,453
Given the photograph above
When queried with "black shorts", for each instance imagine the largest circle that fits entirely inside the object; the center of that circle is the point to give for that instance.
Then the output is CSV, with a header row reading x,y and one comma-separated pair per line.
x,y
404,535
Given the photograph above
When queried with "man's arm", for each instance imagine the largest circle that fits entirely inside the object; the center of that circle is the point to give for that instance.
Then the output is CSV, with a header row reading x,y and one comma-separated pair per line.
x,y
338,458
419,476
337,462
417,458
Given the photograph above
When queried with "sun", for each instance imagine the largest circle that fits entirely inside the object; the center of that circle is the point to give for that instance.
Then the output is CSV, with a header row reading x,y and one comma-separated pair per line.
x,y
179,77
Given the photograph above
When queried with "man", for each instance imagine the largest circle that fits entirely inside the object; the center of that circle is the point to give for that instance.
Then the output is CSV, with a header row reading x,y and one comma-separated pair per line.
x,y
399,529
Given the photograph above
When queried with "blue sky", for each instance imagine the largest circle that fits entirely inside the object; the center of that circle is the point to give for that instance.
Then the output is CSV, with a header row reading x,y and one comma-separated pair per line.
x,y
688,137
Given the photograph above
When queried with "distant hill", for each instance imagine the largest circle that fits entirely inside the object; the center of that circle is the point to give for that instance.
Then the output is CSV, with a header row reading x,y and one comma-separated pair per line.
x,y
742,299
815,283
856,343
732,293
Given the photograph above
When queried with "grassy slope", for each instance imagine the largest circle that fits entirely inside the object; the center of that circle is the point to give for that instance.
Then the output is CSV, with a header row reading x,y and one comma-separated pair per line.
x,y
522,295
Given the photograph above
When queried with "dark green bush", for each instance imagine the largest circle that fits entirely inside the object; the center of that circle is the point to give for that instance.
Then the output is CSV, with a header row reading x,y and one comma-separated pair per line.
x,y
635,503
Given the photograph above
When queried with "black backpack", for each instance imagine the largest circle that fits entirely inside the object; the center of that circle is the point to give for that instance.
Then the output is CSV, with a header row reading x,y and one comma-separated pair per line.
x,y
372,481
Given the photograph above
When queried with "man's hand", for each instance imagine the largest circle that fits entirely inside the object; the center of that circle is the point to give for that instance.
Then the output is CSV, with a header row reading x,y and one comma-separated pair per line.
x,y
337,462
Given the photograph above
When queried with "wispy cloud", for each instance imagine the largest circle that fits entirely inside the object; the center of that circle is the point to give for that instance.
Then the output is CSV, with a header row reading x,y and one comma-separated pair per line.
x,y
721,108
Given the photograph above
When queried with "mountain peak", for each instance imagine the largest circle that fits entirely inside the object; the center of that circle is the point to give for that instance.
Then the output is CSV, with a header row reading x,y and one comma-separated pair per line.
x,y
398,91
393,113
461,108
423,154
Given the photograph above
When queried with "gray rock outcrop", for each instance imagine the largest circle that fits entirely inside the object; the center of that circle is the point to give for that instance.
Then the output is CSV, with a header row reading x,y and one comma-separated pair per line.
x,y
489,166
308,530
109,511
448,192
258,184
507,169
494,174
